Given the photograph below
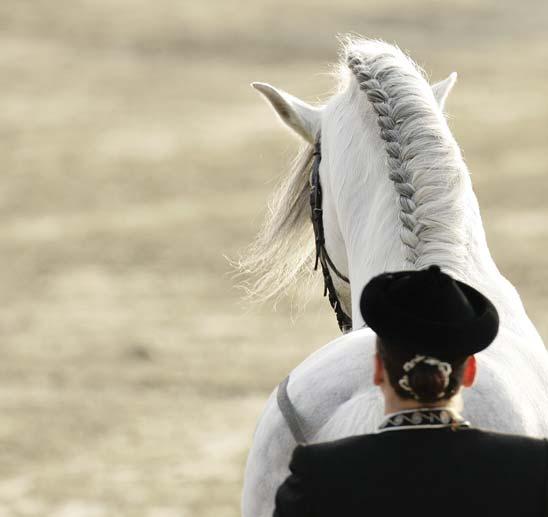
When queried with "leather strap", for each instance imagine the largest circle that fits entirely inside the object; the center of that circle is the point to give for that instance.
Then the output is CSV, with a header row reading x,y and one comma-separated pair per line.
x,y
322,257
289,412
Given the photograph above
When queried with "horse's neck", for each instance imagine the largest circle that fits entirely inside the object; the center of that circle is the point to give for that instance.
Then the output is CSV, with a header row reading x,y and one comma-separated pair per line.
x,y
371,233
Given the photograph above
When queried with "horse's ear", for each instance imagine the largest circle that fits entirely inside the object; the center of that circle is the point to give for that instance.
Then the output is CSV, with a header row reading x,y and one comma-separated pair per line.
x,y
441,90
298,115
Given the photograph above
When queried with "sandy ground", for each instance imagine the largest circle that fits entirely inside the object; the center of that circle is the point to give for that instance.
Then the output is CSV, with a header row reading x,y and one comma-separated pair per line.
x,y
134,158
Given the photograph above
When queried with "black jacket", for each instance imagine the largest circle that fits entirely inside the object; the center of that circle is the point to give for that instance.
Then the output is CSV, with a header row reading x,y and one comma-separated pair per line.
x,y
418,472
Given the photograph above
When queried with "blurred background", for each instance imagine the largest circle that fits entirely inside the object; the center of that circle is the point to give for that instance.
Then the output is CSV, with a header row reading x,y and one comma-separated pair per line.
x,y
134,157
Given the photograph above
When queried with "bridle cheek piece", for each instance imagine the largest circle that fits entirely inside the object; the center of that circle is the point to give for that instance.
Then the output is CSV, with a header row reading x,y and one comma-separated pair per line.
x,y
322,257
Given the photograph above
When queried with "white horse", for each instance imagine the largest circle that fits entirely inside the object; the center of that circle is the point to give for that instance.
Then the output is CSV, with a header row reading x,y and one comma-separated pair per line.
x,y
396,195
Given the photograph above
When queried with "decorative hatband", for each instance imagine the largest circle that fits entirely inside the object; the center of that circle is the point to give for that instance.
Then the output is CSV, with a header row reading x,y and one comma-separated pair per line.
x,y
425,418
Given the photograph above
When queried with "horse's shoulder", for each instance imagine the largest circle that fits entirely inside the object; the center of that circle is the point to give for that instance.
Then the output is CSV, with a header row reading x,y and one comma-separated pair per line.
x,y
332,378
336,364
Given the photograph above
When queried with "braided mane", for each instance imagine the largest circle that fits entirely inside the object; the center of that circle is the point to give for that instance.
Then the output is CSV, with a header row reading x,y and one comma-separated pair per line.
x,y
424,161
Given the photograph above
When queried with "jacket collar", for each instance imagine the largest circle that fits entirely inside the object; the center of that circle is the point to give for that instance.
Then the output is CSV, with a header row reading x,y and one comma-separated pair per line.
x,y
423,418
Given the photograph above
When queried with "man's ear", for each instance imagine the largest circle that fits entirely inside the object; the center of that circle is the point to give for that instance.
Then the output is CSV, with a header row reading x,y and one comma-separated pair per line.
x,y
469,372
441,90
298,115
378,376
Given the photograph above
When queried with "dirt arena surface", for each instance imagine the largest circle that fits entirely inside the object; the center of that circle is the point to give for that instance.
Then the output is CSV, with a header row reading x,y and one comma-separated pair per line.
x,y
135,156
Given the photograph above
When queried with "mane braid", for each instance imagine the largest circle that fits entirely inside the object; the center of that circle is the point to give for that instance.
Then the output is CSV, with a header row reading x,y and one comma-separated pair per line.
x,y
377,77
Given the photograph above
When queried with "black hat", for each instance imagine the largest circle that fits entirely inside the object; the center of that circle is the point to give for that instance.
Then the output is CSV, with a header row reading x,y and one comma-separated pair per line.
x,y
428,312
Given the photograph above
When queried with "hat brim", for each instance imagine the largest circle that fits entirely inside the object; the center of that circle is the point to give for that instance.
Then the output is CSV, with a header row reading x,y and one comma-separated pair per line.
x,y
445,340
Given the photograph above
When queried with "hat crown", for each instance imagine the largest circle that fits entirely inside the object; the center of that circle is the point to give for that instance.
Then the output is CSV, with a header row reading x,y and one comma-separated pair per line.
x,y
433,296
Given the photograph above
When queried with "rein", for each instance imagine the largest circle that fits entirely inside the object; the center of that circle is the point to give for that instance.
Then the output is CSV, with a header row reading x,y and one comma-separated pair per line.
x,y
322,257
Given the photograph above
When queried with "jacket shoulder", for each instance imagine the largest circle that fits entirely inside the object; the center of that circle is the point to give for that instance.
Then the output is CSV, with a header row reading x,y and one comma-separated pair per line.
x,y
525,447
322,456
509,440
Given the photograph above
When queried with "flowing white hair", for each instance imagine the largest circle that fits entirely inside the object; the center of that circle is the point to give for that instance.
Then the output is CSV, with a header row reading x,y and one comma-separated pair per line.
x,y
281,253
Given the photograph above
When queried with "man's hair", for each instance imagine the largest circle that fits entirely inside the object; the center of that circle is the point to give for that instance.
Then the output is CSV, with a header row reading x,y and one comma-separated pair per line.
x,y
426,380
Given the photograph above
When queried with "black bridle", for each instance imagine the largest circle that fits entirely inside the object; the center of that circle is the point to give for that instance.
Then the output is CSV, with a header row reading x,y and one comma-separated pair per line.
x,y
322,257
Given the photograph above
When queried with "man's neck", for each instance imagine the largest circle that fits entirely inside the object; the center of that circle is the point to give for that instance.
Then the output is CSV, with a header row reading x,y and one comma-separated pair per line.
x,y
395,404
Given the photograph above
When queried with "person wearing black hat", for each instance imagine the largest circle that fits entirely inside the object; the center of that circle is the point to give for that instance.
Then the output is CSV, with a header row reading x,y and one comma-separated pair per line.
x,y
425,459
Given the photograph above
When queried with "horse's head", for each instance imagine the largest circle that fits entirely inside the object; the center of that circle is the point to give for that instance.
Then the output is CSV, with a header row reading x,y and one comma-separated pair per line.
x,y
341,125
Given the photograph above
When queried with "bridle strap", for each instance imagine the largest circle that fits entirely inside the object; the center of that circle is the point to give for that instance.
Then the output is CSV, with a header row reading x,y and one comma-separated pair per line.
x,y
322,257
333,267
